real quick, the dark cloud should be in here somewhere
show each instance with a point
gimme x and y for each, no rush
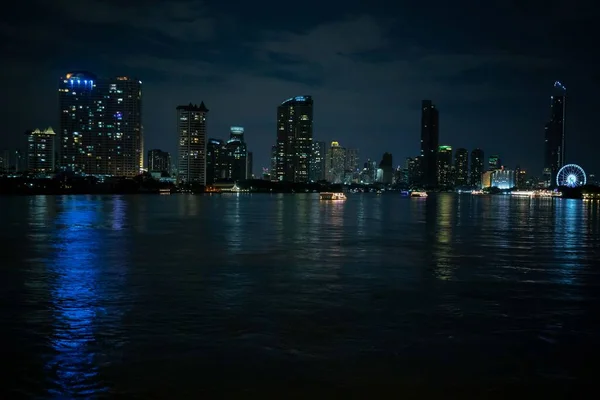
(488, 66)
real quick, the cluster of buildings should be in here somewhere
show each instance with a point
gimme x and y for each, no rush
(101, 133)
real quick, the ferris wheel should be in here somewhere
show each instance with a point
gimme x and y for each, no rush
(571, 175)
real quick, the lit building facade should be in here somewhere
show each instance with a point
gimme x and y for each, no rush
(351, 172)
(554, 144)
(159, 161)
(494, 162)
(461, 167)
(318, 163)
(215, 160)
(236, 153)
(294, 139)
(41, 151)
(413, 165)
(503, 179)
(191, 130)
(336, 163)
(444, 166)
(429, 143)
(100, 124)
(273, 171)
(477, 169)
(486, 179)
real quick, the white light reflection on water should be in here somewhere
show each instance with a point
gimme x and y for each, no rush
(445, 265)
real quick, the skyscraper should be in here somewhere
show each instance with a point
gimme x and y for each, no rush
(318, 164)
(387, 169)
(294, 139)
(429, 142)
(554, 151)
(215, 160)
(336, 163)
(351, 166)
(273, 172)
(477, 158)
(191, 129)
(159, 161)
(249, 165)
(461, 167)
(444, 166)
(100, 124)
(236, 154)
(40, 151)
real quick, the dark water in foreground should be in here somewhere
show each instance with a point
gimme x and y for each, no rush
(175, 296)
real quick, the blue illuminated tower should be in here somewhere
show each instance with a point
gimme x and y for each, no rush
(100, 124)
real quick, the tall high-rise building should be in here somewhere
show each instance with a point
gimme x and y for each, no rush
(336, 163)
(477, 169)
(100, 124)
(215, 160)
(41, 151)
(414, 170)
(191, 130)
(351, 166)
(494, 162)
(294, 139)
(444, 166)
(236, 154)
(520, 178)
(249, 165)
(461, 167)
(554, 151)
(429, 142)
(385, 173)
(318, 165)
(159, 161)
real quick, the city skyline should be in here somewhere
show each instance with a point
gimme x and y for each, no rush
(367, 88)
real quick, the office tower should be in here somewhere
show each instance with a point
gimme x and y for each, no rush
(429, 142)
(41, 151)
(477, 158)
(385, 173)
(413, 165)
(273, 171)
(216, 164)
(159, 161)
(100, 124)
(494, 163)
(554, 151)
(191, 130)
(249, 165)
(294, 139)
(236, 153)
(336, 162)
(318, 163)
(350, 166)
(461, 167)
(444, 165)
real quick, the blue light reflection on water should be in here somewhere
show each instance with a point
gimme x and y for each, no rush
(82, 230)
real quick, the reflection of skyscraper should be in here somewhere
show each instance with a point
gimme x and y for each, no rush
(429, 142)
(461, 167)
(100, 124)
(477, 158)
(191, 129)
(318, 163)
(444, 166)
(294, 139)
(554, 151)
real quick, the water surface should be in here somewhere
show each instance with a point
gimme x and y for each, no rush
(176, 296)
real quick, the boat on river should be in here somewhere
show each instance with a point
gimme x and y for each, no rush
(332, 196)
(417, 193)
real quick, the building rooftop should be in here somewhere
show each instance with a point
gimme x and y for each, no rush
(194, 107)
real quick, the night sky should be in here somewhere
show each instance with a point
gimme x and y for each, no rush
(489, 66)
